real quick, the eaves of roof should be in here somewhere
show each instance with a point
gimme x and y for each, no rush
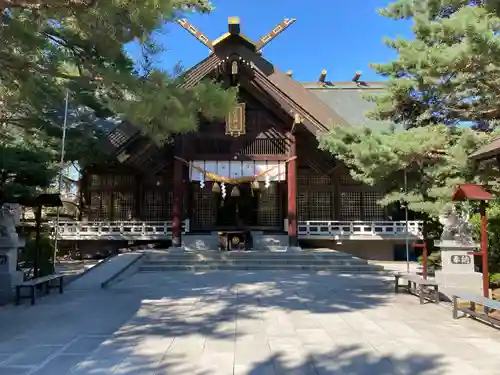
(488, 151)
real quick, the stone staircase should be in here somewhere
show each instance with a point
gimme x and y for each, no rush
(304, 260)
(210, 241)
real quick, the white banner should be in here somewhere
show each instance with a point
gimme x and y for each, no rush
(275, 170)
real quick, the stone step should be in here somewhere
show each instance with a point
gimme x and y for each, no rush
(260, 260)
(257, 261)
(175, 260)
(246, 255)
(190, 267)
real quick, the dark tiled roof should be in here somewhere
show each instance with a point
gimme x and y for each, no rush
(488, 151)
(346, 99)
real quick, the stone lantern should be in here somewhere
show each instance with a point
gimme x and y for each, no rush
(458, 248)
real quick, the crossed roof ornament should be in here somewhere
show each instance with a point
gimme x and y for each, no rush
(234, 29)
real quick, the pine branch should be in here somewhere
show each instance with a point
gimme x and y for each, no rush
(45, 4)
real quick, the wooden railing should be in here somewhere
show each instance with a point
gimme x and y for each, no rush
(117, 230)
(359, 229)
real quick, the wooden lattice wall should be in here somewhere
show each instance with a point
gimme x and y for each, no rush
(204, 210)
(157, 197)
(128, 196)
(357, 201)
(270, 207)
(315, 195)
(111, 197)
(203, 206)
(317, 198)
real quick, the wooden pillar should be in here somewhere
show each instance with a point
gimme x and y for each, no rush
(177, 204)
(291, 180)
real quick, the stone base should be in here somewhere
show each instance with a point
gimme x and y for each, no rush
(7, 283)
(177, 249)
(472, 281)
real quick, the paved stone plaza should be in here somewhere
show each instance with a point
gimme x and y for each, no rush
(242, 323)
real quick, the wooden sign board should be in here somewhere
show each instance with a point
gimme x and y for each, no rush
(235, 121)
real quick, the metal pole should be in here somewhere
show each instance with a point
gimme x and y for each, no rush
(36, 260)
(407, 242)
(404, 127)
(63, 147)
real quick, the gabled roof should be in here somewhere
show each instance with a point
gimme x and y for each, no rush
(284, 89)
(318, 108)
(471, 192)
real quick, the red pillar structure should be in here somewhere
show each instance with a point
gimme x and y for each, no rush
(177, 204)
(291, 180)
(473, 192)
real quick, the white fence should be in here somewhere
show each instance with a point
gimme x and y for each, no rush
(117, 230)
(159, 230)
(359, 229)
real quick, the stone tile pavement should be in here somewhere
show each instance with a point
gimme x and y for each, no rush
(242, 323)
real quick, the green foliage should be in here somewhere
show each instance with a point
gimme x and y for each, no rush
(51, 47)
(450, 71)
(48, 49)
(493, 216)
(447, 74)
(46, 253)
(433, 260)
(25, 167)
(434, 158)
(495, 279)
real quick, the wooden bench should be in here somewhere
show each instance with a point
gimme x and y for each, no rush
(416, 285)
(44, 281)
(474, 299)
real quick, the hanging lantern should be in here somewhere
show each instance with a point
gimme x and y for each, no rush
(235, 192)
(255, 185)
(216, 188)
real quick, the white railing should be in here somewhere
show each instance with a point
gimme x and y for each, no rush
(158, 230)
(117, 230)
(359, 229)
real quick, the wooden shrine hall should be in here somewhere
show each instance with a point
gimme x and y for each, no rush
(259, 168)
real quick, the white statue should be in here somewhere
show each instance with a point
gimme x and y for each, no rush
(456, 227)
(7, 221)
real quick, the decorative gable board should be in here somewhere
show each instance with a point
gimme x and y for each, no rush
(235, 121)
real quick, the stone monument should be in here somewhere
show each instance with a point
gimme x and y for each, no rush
(9, 245)
(457, 265)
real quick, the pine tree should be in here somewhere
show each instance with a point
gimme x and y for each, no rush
(450, 72)
(49, 47)
(434, 159)
(447, 75)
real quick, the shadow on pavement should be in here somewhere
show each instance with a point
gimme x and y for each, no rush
(185, 323)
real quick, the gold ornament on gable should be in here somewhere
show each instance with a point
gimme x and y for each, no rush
(235, 121)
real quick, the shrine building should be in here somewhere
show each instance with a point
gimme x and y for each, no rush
(259, 169)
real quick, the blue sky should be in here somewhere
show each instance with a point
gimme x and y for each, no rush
(339, 36)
